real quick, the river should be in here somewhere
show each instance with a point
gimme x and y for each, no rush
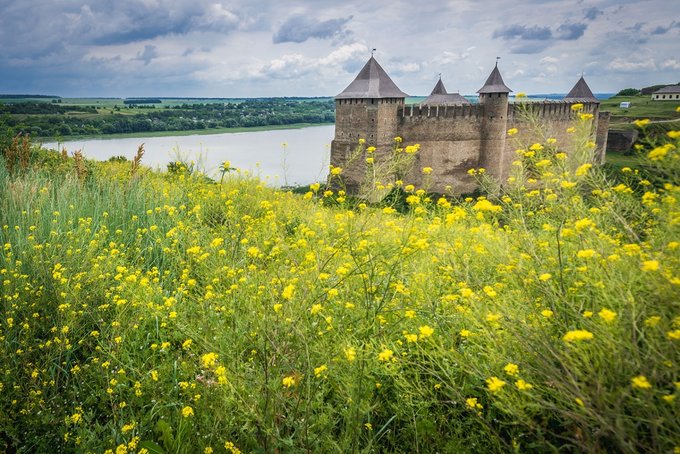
(281, 157)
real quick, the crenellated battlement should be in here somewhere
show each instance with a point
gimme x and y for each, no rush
(427, 111)
(550, 109)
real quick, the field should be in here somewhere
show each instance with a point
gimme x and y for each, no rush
(641, 107)
(166, 312)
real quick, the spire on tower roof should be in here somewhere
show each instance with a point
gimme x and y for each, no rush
(372, 82)
(494, 84)
(580, 92)
(440, 96)
(439, 89)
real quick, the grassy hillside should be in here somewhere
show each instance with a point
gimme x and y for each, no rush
(173, 313)
(641, 107)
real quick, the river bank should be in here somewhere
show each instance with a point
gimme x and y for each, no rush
(190, 132)
(281, 157)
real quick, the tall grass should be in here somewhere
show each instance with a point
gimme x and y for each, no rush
(170, 313)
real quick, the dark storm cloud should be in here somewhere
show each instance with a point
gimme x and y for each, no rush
(300, 28)
(41, 29)
(592, 13)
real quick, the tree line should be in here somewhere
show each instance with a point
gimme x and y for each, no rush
(48, 120)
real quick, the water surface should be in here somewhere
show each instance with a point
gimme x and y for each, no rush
(283, 157)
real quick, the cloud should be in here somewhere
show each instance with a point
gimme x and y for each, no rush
(592, 13)
(523, 32)
(570, 32)
(355, 52)
(624, 65)
(447, 57)
(534, 39)
(661, 30)
(300, 28)
(671, 63)
(150, 52)
(529, 47)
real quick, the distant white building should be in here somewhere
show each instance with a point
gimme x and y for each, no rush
(669, 93)
(624, 105)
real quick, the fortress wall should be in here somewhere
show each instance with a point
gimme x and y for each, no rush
(450, 140)
(420, 124)
(450, 162)
(552, 119)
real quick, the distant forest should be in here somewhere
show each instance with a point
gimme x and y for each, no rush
(54, 119)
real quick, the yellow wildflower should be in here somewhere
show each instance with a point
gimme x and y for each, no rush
(577, 335)
(586, 253)
(472, 404)
(607, 315)
(511, 369)
(385, 355)
(320, 370)
(209, 359)
(650, 265)
(187, 412)
(494, 384)
(350, 354)
(576, 107)
(641, 123)
(288, 381)
(522, 385)
(512, 131)
(288, 292)
(425, 331)
(640, 382)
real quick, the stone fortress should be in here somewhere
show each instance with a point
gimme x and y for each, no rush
(454, 134)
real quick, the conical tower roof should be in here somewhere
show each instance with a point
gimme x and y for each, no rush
(494, 84)
(439, 96)
(580, 92)
(439, 89)
(372, 82)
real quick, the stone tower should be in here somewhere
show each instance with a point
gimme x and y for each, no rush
(493, 98)
(366, 109)
(581, 93)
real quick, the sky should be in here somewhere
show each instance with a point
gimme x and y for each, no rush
(257, 48)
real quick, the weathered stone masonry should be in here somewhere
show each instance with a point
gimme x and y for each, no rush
(454, 135)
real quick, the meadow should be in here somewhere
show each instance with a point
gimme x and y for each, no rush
(157, 312)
